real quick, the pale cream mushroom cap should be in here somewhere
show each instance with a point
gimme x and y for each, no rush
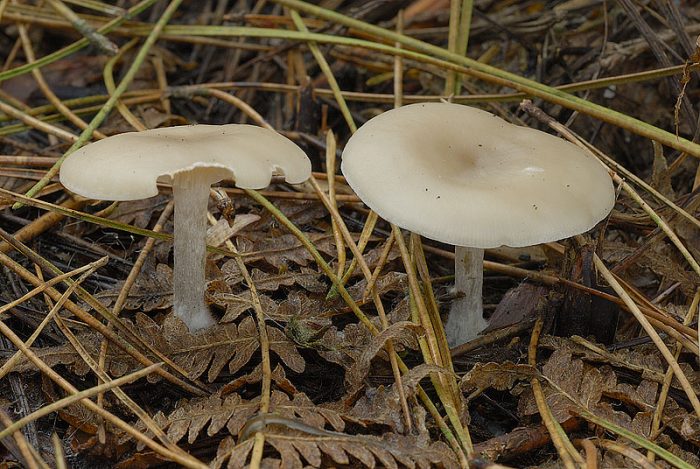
(127, 166)
(463, 176)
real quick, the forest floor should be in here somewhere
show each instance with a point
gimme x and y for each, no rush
(321, 358)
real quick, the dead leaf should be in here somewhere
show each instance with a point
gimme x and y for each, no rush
(643, 359)
(228, 346)
(661, 259)
(387, 283)
(390, 451)
(153, 289)
(518, 304)
(361, 368)
(221, 232)
(499, 376)
(279, 251)
(285, 350)
(236, 304)
(279, 377)
(138, 212)
(306, 278)
(661, 176)
(214, 413)
(571, 384)
(212, 349)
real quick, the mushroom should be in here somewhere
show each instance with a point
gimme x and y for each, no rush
(127, 167)
(463, 176)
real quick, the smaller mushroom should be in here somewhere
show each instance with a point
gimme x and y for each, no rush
(128, 166)
(463, 176)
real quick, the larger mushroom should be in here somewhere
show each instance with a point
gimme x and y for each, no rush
(463, 176)
(127, 167)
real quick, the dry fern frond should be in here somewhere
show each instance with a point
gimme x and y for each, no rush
(212, 350)
(284, 249)
(217, 347)
(213, 412)
(645, 360)
(152, 290)
(232, 412)
(500, 376)
(382, 406)
(279, 377)
(572, 384)
(396, 282)
(390, 451)
(395, 332)
(277, 251)
(306, 278)
(299, 212)
(228, 345)
(65, 355)
(237, 304)
(84, 425)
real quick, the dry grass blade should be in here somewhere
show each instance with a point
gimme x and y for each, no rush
(330, 177)
(503, 78)
(265, 392)
(454, 443)
(47, 284)
(38, 124)
(418, 255)
(644, 322)
(59, 454)
(568, 454)
(3, 6)
(97, 39)
(42, 223)
(111, 86)
(41, 81)
(23, 450)
(121, 395)
(660, 222)
(643, 442)
(76, 46)
(128, 283)
(88, 270)
(73, 398)
(326, 69)
(430, 347)
(367, 228)
(329, 347)
(194, 90)
(168, 454)
(381, 263)
(18, 198)
(630, 453)
(107, 107)
(333, 210)
(89, 319)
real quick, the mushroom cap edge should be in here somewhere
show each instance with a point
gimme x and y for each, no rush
(423, 168)
(127, 166)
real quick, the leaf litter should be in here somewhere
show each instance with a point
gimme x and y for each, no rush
(329, 394)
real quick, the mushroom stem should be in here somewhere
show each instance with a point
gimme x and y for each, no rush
(466, 319)
(191, 194)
